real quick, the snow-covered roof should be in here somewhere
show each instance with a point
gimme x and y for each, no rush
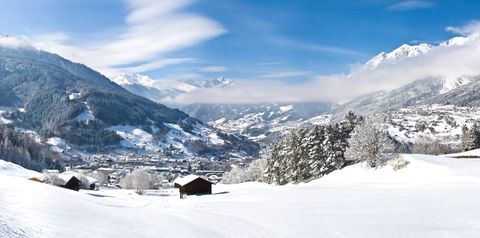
(187, 179)
(66, 176)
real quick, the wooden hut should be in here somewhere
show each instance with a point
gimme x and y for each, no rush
(192, 184)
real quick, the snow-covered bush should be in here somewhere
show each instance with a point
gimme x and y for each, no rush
(253, 172)
(53, 179)
(398, 163)
(370, 142)
(140, 180)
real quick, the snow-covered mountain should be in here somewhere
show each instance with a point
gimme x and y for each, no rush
(256, 122)
(160, 90)
(397, 55)
(69, 105)
(422, 91)
(262, 122)
(425, 91)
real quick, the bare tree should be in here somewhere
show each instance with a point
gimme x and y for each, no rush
(370, 142)
(236, 175)
(140, 180)
(254, 172)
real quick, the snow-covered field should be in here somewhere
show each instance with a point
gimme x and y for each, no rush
(431, 197)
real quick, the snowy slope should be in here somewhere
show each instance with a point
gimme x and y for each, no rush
(431, 197)
(13, 170)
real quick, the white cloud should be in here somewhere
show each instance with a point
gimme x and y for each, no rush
(410, 5)
(470, 29)
(213, 69)
(152, 30)
(448, 61)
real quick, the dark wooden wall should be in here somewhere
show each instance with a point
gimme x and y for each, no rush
(73, 184)
(197, 186)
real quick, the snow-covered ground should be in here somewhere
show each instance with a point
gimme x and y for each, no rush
(431, 197)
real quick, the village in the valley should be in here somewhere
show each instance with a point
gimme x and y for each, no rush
(107, 171)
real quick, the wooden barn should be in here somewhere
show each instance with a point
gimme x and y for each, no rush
(193, 184)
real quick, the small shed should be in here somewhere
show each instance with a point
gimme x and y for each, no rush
(193, 184)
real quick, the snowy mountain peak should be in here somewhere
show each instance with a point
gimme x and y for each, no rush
(218, 82)
(401, 53)
(130, 79)
(14, 42)
(159, 90)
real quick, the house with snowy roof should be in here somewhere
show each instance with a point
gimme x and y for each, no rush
(75, 181)
(192, 184)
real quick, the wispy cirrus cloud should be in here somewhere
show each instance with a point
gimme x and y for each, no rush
(157, 64)
(269, 63)
(288, 42)
(213, 69)
(410, 5)
(286, 74)
(151, 30)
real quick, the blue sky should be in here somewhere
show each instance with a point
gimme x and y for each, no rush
(260, 38)
(284, 40)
